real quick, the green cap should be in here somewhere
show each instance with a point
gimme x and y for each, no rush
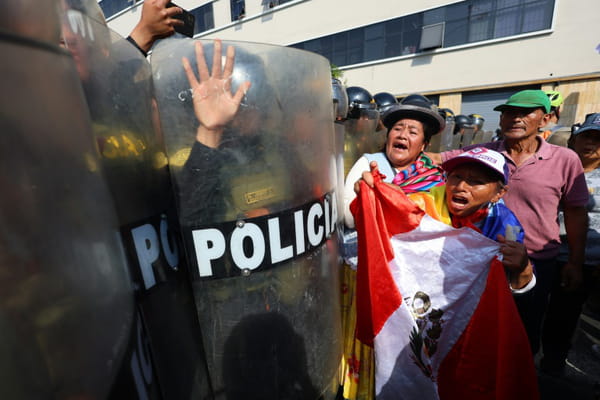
(527, 99)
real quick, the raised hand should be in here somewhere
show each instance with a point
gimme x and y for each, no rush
(214, 104)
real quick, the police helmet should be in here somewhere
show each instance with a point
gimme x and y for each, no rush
(419, 107)
(359, 99)
(384, 101)
(477, 120)
(461, 121)
(446, 113)
(340, 97)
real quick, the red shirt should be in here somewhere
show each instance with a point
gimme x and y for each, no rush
(551, 177)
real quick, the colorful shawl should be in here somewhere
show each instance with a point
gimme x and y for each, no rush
(420, 176)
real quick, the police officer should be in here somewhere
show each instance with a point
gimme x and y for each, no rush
(361, 126)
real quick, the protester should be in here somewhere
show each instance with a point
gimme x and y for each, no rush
(564, 307)
(410, 125)
(434, 301)
(542, 177)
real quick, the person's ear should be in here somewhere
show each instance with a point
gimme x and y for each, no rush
(500, 193)
(545, 119)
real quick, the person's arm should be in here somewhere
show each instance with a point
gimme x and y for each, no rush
(156, 22)
(361, 165)
(576, 224)
(214, 106)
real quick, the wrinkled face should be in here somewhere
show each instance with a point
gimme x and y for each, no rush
(405, 141)
(469, 187)
(520, 123)
(587, 145)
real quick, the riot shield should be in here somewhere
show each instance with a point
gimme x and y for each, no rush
(117, 84)
(66, 303)
(258, 214)
(443, 140)
(361, 137)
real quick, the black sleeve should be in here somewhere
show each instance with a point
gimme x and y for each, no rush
(200, 193)
(130, 40)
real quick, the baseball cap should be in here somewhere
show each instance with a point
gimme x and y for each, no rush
(527, 99)
(489, 158)
(592, 122)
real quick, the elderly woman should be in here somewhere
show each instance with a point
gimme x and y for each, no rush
(410, 124)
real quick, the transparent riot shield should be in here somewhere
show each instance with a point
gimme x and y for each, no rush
(259, 216)
(117, 84)
(66, 303)
(361, 137)
(443, 140)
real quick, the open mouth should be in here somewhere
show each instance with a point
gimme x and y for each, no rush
(400, 146)
(459, 202)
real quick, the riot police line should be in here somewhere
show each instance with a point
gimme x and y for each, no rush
(101, 295)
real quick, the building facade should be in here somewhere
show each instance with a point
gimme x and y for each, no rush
(467, 56)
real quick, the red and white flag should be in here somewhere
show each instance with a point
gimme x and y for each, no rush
(434, 303)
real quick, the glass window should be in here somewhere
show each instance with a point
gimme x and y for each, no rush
(112, 7)
(536, 16)
(356, 44)
(434, 16)
(238, 9)
(410, 41)
(467, 21)
(508, 22)
(393, 38)
(480, 20)
(374, 42)
(204, 18)
(340, 48)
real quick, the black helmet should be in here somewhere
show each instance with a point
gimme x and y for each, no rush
(384, 101)
(477, 120)
(418, 107)
(461, 121)
(340, 97)
(446, 113)
(359, 99)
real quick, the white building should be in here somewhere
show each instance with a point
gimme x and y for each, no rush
(468, 55)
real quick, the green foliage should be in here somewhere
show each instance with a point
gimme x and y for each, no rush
(336, 72)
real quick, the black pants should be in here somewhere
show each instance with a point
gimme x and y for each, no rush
(533, 304)
(562, 316)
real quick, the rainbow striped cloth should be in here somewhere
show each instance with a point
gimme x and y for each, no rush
(420, 176)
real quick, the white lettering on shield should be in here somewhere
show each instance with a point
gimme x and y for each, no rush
(252, 244)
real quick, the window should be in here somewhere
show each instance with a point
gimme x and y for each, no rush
(238, 9)
(479, 20)
(204, 18)
(112, 7)
(464, 22)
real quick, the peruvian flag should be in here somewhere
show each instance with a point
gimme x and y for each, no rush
(435, 304)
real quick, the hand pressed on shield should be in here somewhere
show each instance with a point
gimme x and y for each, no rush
(214, 104)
